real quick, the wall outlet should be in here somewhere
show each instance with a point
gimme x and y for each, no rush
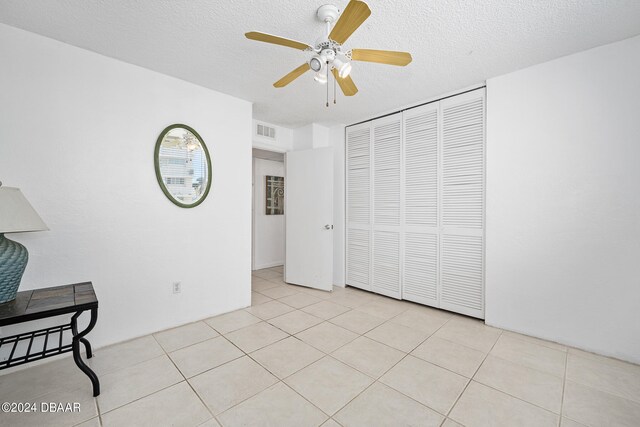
(177, 287)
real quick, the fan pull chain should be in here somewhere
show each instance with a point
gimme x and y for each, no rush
(334, 90)
(327, 83)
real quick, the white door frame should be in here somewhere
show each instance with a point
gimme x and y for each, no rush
(253, 207)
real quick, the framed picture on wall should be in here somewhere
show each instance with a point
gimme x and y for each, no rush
(274, 196)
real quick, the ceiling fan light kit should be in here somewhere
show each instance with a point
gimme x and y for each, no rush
(316, 63)
(321, 77)
(328, 54)
(344, 68)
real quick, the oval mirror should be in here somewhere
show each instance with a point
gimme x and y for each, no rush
(183, 166)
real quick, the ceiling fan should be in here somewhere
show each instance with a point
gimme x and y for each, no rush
(328, 53)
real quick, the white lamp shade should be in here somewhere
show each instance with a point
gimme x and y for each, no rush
(16, 213)
(320, 77)
(344, 68)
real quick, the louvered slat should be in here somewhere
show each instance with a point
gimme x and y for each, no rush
(461, 274)
(463, 164)
(358, 170)
(420, 281)
(421, 167)
(386, 172)
(358, 258)
(386, 263)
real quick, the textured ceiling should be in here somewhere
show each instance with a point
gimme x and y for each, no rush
(455, 44)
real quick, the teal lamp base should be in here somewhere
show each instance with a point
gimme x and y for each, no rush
(13, 261)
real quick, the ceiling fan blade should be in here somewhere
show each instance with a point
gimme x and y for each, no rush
(292, 75)
(347, 85)
(270, 38)
(389, 57)
(350, 19)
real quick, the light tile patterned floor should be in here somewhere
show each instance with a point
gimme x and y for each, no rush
(302, 357)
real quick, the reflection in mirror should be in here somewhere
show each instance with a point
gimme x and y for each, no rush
(183, 166)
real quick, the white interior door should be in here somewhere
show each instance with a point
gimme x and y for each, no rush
(387, 204)
(421, 205)
(358, 177)
(462, 200)
(309, 221)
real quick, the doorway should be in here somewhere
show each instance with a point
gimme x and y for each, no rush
(268, 215)
(295, 241)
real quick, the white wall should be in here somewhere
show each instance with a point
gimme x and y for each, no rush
(563, 200)
(268, 234)
(321, 136)
(283, 141)
(311, 136)
(303, 137)
(77, 134)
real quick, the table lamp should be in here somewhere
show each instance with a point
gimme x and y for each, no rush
(16, 216)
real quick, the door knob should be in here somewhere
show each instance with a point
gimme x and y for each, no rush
(328, 227)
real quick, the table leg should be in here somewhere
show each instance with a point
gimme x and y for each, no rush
(75, 345)
(87, 347)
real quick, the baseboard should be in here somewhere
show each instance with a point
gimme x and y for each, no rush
(268, 265)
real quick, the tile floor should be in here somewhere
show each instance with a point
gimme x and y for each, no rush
(301, 357)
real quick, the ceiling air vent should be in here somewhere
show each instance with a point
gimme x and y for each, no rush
(266, 131)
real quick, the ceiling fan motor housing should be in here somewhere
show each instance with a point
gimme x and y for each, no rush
(326, 56)
(328, 53)
(328, 13)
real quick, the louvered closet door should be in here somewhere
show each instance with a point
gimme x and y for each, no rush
(387, 164)
(358, 147)
(420, 278)
(462, 201)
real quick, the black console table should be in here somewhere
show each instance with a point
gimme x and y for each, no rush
(43, 343)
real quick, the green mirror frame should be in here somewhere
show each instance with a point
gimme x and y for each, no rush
(156, 161)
